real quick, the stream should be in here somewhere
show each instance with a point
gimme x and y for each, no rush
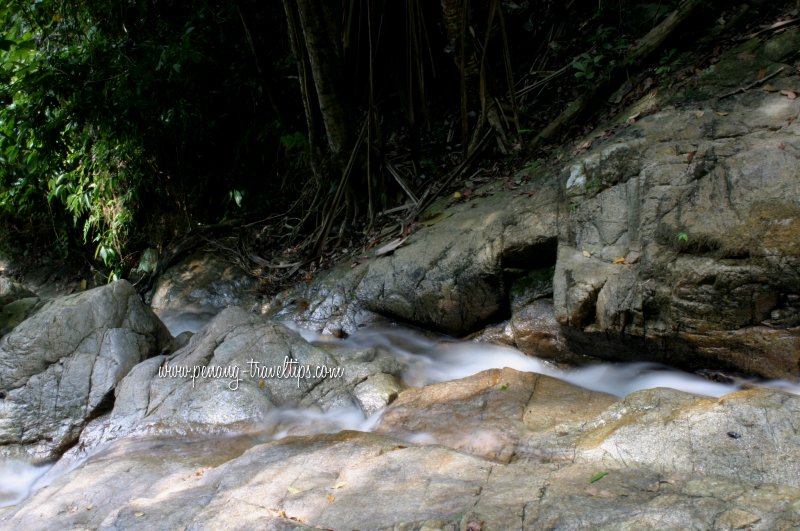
(426, 359)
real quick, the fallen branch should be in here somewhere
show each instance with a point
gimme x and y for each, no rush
(775, 27)
(751, 85)
(638, 54)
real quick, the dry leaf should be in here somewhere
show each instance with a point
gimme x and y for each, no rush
(262, 384)
(632, 118)
(789, 94)
(790, 120)
(138, 515)
(456, 195)
(586, 145)
(690, 156)
(294, 490)
(599, 493)
(339, 485)
(762, 73)
(699, 113)
(619, 260)
(769, 88)
(587, 254)
(722, 113)
(330, 498)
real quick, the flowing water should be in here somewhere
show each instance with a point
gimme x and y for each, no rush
(426, 359)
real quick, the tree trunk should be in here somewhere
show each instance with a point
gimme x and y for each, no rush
(321, 37)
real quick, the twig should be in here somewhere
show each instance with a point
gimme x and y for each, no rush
(751, 85)
(396, 174)
(428, 198)
(775, 27)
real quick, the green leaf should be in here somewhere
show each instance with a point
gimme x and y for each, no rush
(598, 477)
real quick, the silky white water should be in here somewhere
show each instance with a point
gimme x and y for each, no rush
(426, 359)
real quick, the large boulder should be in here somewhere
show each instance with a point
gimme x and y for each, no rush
(189, 293)
(452, 274)
(59, 368)
(675, 237)
(243, 370)
(11, 291)
(552, 456)
(683, 238)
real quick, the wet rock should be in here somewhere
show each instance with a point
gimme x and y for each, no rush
(240, 369)
(685, 433)
(376, 392)
(11, 291)
(354, 480)
(686, 249)
(187, 295)
(327, 304)
(498, 414)
(59, 368)
(452, 274)
(534, 330)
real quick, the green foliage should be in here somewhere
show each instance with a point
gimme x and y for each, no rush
(111, 114)
(665, 62)
(608, 49)
(598, 477)
(683, 237)
(587, 66)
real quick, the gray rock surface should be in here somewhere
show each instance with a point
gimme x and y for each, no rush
(452, 275)
(684, 232)
(642, 463)
(59, 368)
(677, 235)
(240, 370)
(188, 294)
(11, 291)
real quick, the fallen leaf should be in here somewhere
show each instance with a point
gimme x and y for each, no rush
(587, 254)
(456, 195)
(339, 485)
(619, 260)
(474, 526)
(586, 145)
(789, 94)
(699, 113)
(632, 118)
(690, 156)
(262, 384)
(598, 493)
(294, 490)
(762, 73)
(138, 515)
(330, 498)
(790, 120)
(769, 88)
(722, 113)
